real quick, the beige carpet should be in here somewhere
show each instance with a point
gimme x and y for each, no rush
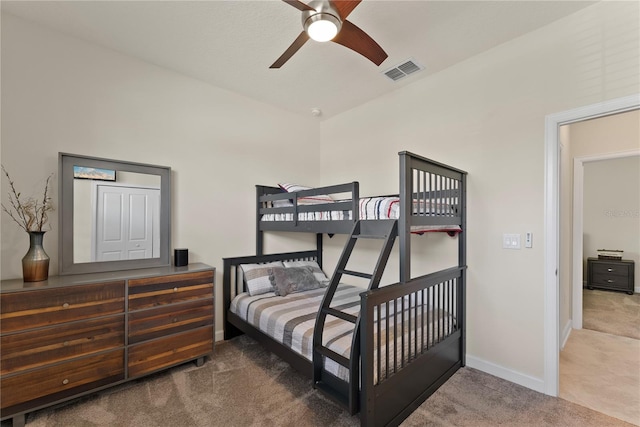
(244, 385)
(614, 313)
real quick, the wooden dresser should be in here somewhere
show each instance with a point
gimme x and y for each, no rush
(610, 274)
(73, 335)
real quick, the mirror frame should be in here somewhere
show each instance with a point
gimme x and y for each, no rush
(66, 264)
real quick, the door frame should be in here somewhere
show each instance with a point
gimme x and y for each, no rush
(552, 227)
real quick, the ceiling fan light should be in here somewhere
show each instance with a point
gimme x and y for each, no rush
(322, 27)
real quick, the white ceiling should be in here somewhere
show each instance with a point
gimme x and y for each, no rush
(231, 43)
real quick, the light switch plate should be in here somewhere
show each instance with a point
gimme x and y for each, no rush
(511, 241)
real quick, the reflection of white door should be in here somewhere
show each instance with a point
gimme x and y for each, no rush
(127, 223)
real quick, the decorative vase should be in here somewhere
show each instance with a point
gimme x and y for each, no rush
(35, 264)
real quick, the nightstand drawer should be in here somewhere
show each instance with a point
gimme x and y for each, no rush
(153, 355)
(62, 379)
(26, 350)
(163, 290)
(163, 321)
(606, 269)
(610, 280)
(32, 309)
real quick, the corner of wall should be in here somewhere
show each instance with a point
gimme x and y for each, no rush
(536, 384)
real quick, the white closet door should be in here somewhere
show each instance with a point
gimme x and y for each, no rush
(126, 222)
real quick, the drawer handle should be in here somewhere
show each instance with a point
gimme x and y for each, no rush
(175, 319)
(610, 281)
(65, 381)
(66, 343)
(610, 270)
(65, 305)
(175, 289)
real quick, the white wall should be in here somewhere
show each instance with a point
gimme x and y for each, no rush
(606, 135)
(612, 207)
(63, 94)
(486, 115)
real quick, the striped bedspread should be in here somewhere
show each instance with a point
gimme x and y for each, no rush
(370, 208)
(290, 320)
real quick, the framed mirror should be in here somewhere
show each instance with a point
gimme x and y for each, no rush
(113, 215)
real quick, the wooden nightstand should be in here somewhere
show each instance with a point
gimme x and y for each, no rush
(610, 274)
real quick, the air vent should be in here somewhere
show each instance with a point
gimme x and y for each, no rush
(403, 69)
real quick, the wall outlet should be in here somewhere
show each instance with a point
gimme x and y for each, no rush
(528, 240)
(511, 241)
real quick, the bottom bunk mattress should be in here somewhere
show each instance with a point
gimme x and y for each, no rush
(290, 320)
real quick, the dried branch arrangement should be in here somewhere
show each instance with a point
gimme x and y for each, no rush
(29, 213)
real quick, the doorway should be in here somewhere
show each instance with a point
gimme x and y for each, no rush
(599, 187)
(577, 263)
(557, 291)
(552, 325)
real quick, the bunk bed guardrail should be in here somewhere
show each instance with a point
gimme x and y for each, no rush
(419, 352)
(442, 188)
(348, 195)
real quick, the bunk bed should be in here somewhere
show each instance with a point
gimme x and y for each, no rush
(379, 351)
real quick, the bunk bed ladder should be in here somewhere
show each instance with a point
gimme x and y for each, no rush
(345, 392)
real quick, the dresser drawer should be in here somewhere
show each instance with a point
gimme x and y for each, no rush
(26, 350)
(162, 321)
(67, 378)
(31, 309)
(163, 290)
(153, 355)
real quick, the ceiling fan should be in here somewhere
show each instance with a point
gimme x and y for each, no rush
(326, 20)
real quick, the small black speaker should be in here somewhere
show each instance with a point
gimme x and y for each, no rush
(180, 257)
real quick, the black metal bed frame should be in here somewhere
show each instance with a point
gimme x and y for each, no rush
(428, 350)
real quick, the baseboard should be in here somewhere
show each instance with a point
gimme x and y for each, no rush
(519, 378)
(565, 333)
(524, 380)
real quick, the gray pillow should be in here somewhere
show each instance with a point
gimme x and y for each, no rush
(317, 271)
(293, 279)
(256, 277)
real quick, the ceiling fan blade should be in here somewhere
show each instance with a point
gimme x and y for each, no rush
(344, 7)
(298, 5)
(297, 44)
(357, 40)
